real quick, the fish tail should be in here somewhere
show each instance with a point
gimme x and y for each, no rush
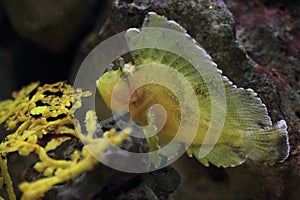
(270, 145)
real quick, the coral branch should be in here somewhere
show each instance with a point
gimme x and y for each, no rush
(6, 179)
(41, 119)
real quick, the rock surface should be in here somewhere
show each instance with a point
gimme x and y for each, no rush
(259, 51)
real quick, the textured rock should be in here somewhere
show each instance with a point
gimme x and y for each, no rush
(112, 184)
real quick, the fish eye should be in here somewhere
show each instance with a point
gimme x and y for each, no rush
(125, 76)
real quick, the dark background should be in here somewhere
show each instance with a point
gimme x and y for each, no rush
(24, 59)
(38, 46)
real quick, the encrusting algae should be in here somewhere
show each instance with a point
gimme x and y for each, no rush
(37, 112)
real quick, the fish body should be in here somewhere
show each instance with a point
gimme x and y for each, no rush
(247, 130)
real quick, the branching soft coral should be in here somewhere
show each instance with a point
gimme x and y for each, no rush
(48, 110)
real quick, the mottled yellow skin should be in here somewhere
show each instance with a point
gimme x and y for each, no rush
(151, 94)
(247, 131)
(141, 99)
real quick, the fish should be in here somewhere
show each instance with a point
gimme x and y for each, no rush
(247, 130)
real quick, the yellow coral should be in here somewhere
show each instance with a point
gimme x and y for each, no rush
(6, 179)
(37, 111)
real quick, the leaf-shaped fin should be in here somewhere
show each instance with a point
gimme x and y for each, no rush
(151, 37)
(154, 20)
(270, 145)
(156, 151)
(221, 155)
(152, 140)
(171, 150)
(245, 111)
